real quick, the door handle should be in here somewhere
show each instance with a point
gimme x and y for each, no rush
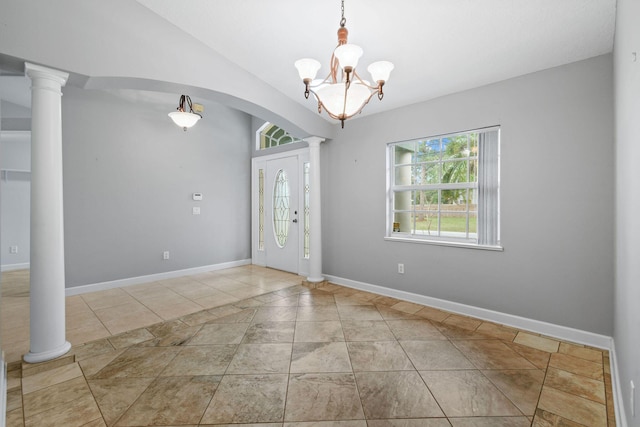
(295, 220)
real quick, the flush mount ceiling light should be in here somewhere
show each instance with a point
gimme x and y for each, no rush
(343, 94)
(185, 119)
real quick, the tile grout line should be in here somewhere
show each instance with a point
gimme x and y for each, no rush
(293, 340)
(92, 394)
(355, 378)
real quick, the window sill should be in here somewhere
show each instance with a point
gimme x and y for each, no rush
(445, 243)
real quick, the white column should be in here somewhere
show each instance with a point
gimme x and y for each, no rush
(315, 217)
(47, 340)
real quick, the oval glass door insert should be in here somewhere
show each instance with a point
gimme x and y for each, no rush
(281, 208)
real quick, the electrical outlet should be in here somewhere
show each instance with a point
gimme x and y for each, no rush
(13, 249)
(196, 210)
(400, 268)
(632, 398)
(165, 255)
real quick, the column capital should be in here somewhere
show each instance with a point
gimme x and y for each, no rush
(314, 140)
(38, 71)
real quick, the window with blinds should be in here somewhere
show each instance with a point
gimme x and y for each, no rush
(446, 189)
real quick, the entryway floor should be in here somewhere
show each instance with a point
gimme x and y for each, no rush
(251, 346)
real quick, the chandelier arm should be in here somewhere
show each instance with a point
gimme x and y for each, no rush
(343, 116)
(181, 103)
(334, 68)
(329, 113)
(326, 80)
(320, 104)
(321, 107)
(186, 99)
(359, 110)
(363, 82)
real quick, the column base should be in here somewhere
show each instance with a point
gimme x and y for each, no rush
(313, 284)
(43, 356)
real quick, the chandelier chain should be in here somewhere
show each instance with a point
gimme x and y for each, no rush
(343, 21)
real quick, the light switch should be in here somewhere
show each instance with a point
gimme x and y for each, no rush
(197, 196)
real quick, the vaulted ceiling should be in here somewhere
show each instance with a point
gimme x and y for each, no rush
(438, 46)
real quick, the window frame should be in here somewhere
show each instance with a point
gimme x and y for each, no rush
(265, 134)
(493, 173)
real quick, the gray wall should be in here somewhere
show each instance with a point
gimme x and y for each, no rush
(627, 301)
(129, 174)
(15, 153)
(557, 199)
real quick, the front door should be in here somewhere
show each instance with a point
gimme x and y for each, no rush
(281, 225)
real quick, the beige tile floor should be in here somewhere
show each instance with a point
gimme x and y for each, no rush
(250, 346)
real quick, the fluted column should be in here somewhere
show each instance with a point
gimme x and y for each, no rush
(315, 209)
(47, 293)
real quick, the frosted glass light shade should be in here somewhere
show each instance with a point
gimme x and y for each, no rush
(307, 68)
(348, 55)
(183, 119)
(332, 97)
(380, 71)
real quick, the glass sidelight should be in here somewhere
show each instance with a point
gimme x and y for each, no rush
(281, 211)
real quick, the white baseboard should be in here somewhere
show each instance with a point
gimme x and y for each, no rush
(536, 326)
(11, 267)
(103, 286)
(618, 397)
(3, 390)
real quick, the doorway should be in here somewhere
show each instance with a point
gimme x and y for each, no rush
(280, 224)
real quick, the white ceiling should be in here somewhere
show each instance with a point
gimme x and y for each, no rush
(438, 46)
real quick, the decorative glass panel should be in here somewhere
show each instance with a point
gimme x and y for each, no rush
(273, 136)
(307, 224)
(261, 209)
(281, 208)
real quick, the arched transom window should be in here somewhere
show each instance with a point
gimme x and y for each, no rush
(274, 136)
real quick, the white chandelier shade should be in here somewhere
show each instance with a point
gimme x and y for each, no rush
(380, 71)
(333, 98)
(183, 119)
(307, 68)
(348, 55)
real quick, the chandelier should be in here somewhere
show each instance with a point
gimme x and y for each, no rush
(343, 94)
(182, 118)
